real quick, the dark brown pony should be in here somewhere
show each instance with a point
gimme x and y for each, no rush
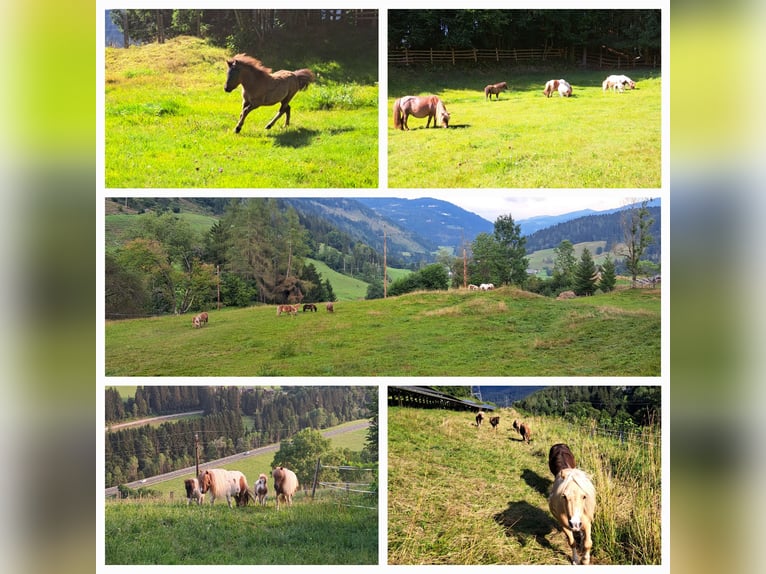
(479, 418)
(494, 89)
(261, 87)
(420, 107)
(559, 458)
(494, 421)
(309, 307)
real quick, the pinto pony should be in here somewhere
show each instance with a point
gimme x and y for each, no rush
(285, 485)
(420, 107)
(494, 89)
(261, 489)
(261, 87)
(193, 491)
(199, 319)
(560, 86)
(617, 83)
(572, 502)
(559, 458)
(222, 483)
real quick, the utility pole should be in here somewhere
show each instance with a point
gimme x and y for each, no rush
(385, 266)
(218, 274)
(196, 452)
(465, 263)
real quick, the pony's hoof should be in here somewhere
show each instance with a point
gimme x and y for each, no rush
(236, 130)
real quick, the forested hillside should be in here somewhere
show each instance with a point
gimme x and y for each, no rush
(235, 419)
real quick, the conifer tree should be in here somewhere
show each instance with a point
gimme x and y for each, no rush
(608, 275)
(585, 275)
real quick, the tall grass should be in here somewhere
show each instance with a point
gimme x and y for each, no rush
(462, 495)
(448, 333)
(525, 140)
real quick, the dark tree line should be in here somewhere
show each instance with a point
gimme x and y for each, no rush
(276, 414)
(634, 33)
(616, 407)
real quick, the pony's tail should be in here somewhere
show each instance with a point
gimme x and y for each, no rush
(398, 122)
(305, 77)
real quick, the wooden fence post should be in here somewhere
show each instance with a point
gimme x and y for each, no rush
(316, 476)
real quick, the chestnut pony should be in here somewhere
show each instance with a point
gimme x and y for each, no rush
(420, 107)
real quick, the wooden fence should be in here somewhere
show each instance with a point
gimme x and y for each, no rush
(602, 58)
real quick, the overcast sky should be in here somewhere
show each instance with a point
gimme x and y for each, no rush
(524, 204)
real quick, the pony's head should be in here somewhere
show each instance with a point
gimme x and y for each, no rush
(205, 481)
(574, 497)
(442, 114)
(233, 75)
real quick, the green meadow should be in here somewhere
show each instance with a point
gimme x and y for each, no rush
(592, 139)
(450, 333)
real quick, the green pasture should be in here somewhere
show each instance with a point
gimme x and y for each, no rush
(525, 140)
(451, 333)
(463, 495)
(169, 124)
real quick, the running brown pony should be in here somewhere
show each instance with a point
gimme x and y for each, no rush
(559, 458)
(420, 107)
(261, 87)
(494, 89)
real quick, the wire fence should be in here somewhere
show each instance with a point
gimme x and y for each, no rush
(350, 494)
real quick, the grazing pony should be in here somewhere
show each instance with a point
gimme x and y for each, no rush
(560, 86)
(573, 503)
(617, 83)
(199, 319)
(285, 485)
(473, 287)
(486, 287)
(222, 483)
(193, 491)
(516, 425)
(330, 308)
(292, 309)
(479, 418)
(494, 89)
(550, 87)
(261, 87)
(309, 307)
(261, 489)
(525, 431)
(565, 89)
(420, 107)
(559, 458)
(494, 421)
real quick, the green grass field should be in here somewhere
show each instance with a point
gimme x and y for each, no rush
(525, 140)
(169, 124)
(455, 333)
(462, 495)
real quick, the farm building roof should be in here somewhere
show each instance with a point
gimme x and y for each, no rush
(426, 397)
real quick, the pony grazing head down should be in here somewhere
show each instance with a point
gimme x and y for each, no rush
(285, 485)
(222, 483)
(573, 503)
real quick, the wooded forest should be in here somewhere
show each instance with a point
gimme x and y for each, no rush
(635, 34)
(270, 415)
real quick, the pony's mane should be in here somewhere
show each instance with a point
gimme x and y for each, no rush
(581, 479)
(252, 62)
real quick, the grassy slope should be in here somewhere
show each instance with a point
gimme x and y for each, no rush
(455, 333)
(593, 139)
(462, 495)
(169, 124)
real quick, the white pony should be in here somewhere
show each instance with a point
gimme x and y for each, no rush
(617, 82)
(486, 287)
(565, 89)
(573, 503)
(285, 485)
(222, 483)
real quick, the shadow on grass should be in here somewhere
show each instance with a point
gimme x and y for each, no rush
(539, 483)
(300, 137)
(525, 522)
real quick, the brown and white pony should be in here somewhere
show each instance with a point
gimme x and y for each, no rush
(494, 421)
(560, 86)
(291, 309)
(420, 107)
(199, 319)
(193, 491)
(494, 89)
(617, 83)
(261, 489)
(573, 503)
(473, 287)
(330, 308)
(222, 483)
(559, 458)
(285, 485)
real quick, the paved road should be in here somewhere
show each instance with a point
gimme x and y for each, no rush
(151, 420)
(112, 491)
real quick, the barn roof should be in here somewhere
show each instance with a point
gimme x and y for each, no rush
(427, 397)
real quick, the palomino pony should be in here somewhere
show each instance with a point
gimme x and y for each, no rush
(261, 87)
(494, 89)
(420, 107)
(559, 458)
(222, 483)
(285, 485)
(573, 503)
(261, 489)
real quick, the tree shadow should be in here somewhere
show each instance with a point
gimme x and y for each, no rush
(525, 522)
(539, 483)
